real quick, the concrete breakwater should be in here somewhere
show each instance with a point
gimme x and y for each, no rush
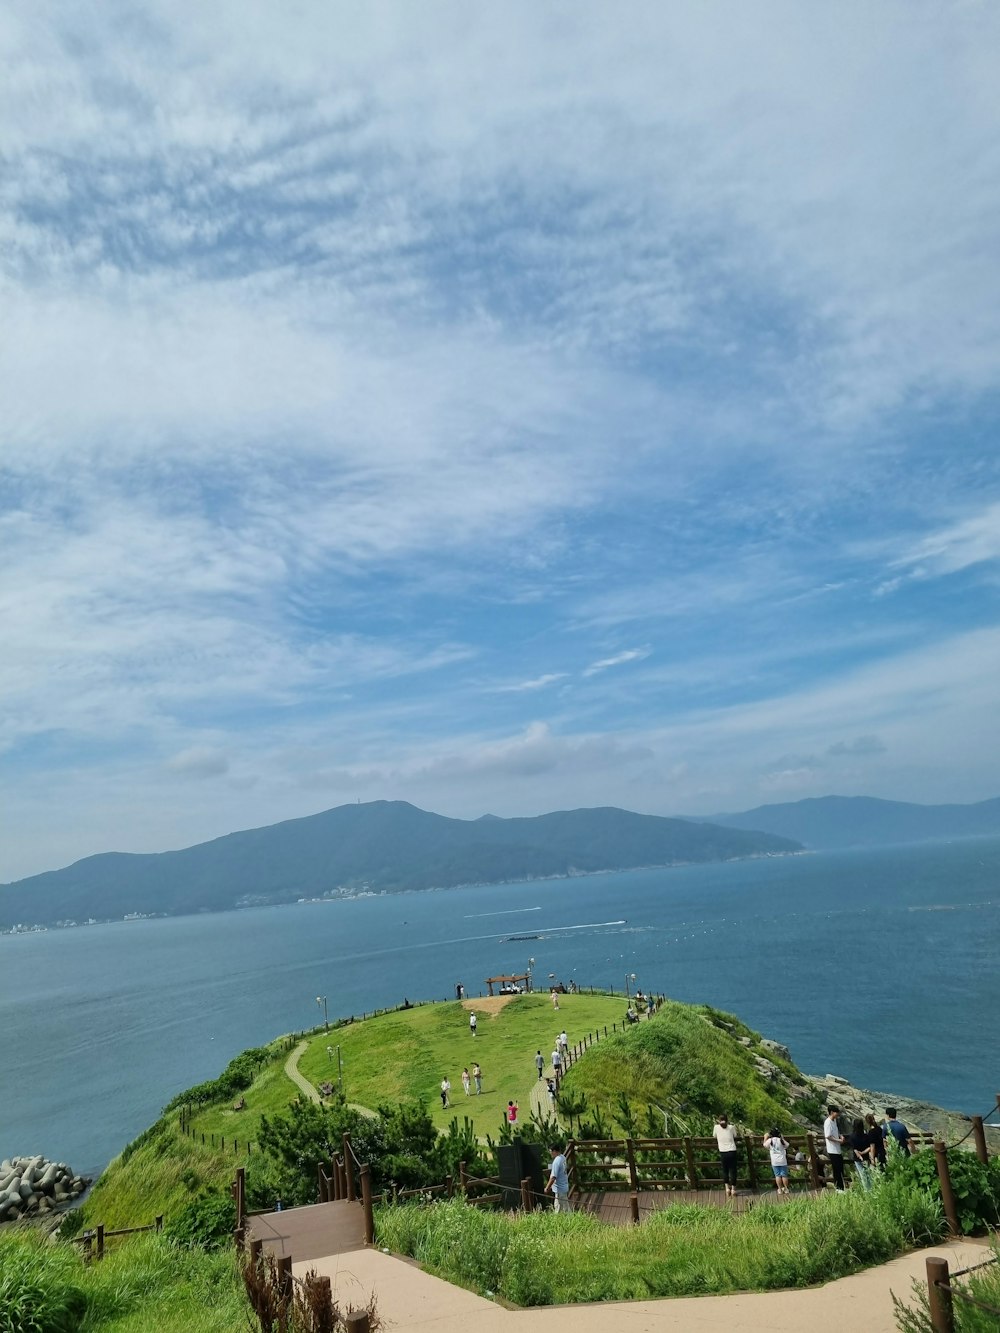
(33, 1185)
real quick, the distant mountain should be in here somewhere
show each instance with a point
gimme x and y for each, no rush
(387, 845)
(864, 821)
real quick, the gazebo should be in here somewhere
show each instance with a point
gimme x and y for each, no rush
(522, 978)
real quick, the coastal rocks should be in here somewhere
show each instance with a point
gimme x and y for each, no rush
(32, 1185)
(776, 1048)
(854, 1102)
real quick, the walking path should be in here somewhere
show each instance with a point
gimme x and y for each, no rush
(409, 1298)
(300, 1081)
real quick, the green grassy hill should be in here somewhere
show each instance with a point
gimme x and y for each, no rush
(688, 1062)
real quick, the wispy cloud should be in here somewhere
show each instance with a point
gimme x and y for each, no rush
(619, 659)
(538, 683)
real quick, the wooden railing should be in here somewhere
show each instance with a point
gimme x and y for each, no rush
(93, 1241)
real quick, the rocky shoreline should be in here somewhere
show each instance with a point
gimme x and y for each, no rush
(854, 1102)
(30, 1186)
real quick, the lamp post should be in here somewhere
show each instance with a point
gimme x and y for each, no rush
(340, 1068)
(321, 1001)
(531, 964)
(629, 976)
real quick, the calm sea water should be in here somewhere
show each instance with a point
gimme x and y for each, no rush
(877, 965)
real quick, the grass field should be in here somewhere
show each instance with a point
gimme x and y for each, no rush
(403, 1056)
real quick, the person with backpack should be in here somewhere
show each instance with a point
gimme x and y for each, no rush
(777, 1146)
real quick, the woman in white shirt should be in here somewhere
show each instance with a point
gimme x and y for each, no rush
(778, 1148)
(725, 1137)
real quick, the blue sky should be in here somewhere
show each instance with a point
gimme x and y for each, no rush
(500, 410)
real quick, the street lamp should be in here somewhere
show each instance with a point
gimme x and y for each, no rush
(340, 1068)
(629, 976)
(531, 964)
(321, 1001)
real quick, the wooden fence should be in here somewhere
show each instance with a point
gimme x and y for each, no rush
(93, 1241)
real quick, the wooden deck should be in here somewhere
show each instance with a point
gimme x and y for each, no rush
(614, 1206)
(311, 1232)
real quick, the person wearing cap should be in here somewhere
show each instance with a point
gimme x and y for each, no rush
(834, 1145)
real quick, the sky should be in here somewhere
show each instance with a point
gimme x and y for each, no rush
(503, 409)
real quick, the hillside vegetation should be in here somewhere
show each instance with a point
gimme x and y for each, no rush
(388, 845)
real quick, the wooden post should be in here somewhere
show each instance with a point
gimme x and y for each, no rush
(322, 1304)
(692, 1173)
(751, 1164)
(633, 1175)
(633, 1203)
(526, 1194)
(348, 1169)
(366, 1199)
(240, 1196)
(283, 1272)
(947, 1193)
(100, 1241)
(979, 1134)
(939, 1298)
(571, 1171)
(88, 1246)
(813, 1161)
(356, 1321)
(159, 1222)
(256, 1250)
(462, 1177)
(321, 1182)
(450, 1182)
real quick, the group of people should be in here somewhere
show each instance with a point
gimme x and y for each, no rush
(864, 1145)
(467, 1081)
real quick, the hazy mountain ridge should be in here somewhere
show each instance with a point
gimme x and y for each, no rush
(388, 845)
(830, 822)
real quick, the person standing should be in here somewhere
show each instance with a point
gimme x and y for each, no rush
(445, 1089)
(466, 1081)
(563, 1042)
(472, 1024)
(898, 1131)
(556, 1063)
(877, 1141)
(860, 1142)
(539, 1062)
(555, 999)
(512, 1114)
(558, 1181)
(777, 1146)
(477, 1075)
(550, 1088)
(834, 1145)
(725, 1137)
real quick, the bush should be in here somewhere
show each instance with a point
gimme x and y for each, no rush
(236, 1077)
(207, 1222)
(976, 1185)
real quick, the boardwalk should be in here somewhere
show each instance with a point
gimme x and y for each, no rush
(311, 1232)
(614, 1206)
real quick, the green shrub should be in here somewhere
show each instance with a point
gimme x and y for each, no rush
(976, 1185)
(208, 1221)
(236, 1077)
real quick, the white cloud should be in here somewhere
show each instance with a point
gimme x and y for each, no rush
(538, 683)
(619, 659)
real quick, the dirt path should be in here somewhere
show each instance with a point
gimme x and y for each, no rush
(300, 1081)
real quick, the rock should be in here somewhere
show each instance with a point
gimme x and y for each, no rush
(776, 1048)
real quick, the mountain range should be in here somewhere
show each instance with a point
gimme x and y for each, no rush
(382, 845)
(829, 822)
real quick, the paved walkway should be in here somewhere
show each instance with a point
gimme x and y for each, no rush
(311, 1232)
(409, 1298)
(300, 1081)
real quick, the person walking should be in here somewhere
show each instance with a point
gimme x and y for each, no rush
(777, 1146)
(477, 1075)
(563, 1042)
(834, 1145)
(555, 999)
(539, 1062)
(725, 1137)
(472, 1024)
(466, 1081)
(445, 1090)
(556, 1063)
(512, 1114)
(558, 1181)
(550, 1088)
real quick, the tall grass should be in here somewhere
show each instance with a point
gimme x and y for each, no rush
(544, 1259)
(983, 1286)
(143, 1284)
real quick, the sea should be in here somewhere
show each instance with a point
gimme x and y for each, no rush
(880, 965)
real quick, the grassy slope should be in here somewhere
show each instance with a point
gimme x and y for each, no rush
(403, 1056)
(683, 1058)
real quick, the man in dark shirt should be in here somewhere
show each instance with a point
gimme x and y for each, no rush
(897, 1129)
